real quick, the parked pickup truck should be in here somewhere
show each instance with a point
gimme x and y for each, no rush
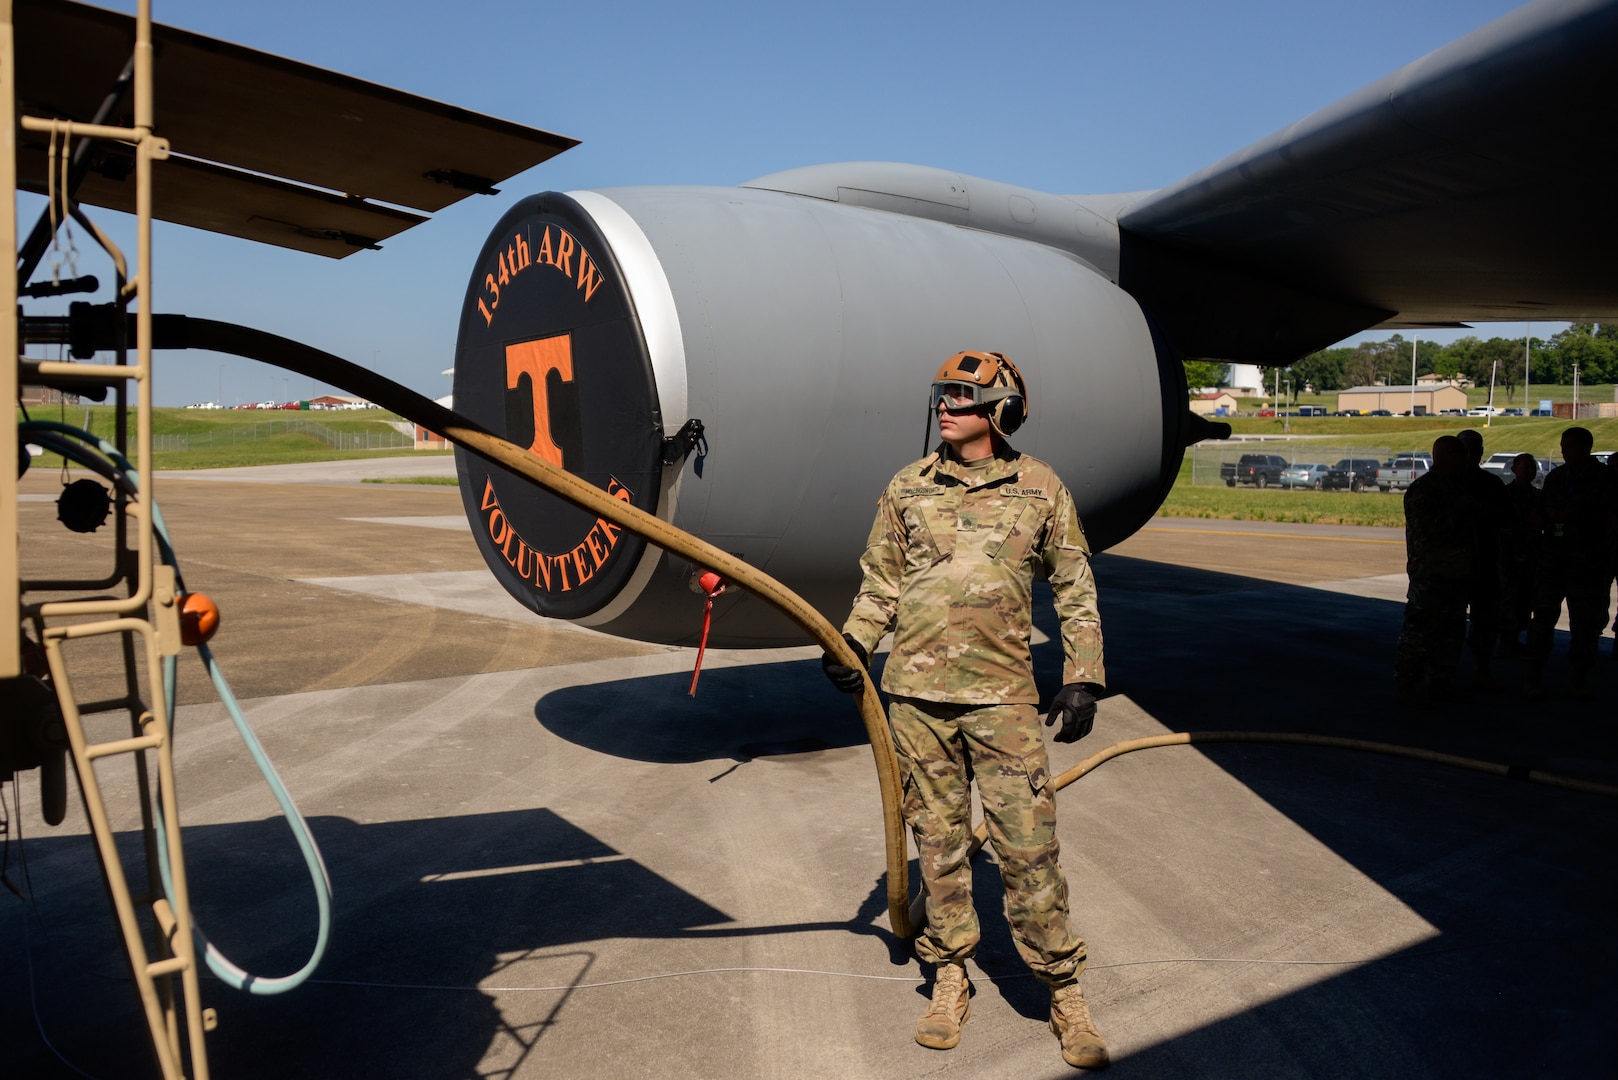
(1401, 472)
(1259, 469)
(1355, 474)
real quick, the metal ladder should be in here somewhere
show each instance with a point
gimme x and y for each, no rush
(146, 620)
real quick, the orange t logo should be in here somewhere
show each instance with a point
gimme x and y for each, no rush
(537, 359)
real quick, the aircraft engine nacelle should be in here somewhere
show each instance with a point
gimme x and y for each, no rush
(803, 334)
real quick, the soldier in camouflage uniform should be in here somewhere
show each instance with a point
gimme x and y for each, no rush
(1519, 551)
(959, 539)
(1581, 519)
(1483, 592)
(1440, 526)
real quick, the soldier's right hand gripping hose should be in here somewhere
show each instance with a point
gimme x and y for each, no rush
(1076, 705)
(848, 680)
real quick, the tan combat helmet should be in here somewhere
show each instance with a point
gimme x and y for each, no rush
(989, 378)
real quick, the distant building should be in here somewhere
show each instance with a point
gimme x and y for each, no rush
(1434, 379)
(431, 440)
(1211, 402)
(41, 395)
(1247, 379)
(1429, 399)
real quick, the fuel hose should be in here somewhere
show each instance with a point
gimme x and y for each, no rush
(182, 332)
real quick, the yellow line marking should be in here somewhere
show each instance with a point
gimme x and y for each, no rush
(1277, 536)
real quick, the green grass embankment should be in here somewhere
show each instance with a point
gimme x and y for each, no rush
(1276, 504)
(1476, 397)
(1281, 505)
(227, 438)
(1539, 436)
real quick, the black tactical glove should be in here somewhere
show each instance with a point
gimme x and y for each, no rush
(848, 680)
(1076, 706)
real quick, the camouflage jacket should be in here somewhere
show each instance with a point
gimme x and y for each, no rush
(1441, 525)
(1581, 512)
(950, 568)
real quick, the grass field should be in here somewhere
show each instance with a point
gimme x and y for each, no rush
(1538, 436)
(1476, 397)
(435, 481)
(226, 438)
(1277, 504)
(1535, 435)
(1340, 434)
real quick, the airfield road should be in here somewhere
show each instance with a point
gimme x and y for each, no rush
(549, 860)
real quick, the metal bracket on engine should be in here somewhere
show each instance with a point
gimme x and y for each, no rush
(677, 447)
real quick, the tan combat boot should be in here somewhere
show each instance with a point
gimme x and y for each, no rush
(1082, 1045)
(940, 1026)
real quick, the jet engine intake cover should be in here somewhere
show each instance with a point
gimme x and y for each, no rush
(551, 355)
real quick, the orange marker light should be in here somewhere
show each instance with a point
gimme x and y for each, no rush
(199, 618)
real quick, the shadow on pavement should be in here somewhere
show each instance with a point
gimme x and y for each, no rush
(1518, 881)
(425, 911)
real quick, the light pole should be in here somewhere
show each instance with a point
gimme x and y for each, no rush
(1488, 419)
(221, 398)
(1528, 334)
(1413, 343)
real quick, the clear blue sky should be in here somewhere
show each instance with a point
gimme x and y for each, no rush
(1071, 97)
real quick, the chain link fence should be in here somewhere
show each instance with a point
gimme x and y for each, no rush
(337, 440)
(1206, 458)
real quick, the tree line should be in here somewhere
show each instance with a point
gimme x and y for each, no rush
(1590, 347)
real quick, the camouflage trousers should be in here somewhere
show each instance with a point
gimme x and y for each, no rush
(1585, 586)
(1516, 600)
(1483, 612)
(943, 749)
(1433, 632)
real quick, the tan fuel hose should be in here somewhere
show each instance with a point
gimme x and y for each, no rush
(1185, 738)
(701, 553)
(181, 332)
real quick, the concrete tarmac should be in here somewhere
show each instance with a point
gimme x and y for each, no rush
(550, 861)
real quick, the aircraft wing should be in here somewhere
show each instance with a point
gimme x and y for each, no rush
(1467, 186)
(264, 148)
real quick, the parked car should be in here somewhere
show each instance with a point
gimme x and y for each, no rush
(1512, 412)
(1541, 412)
(1303, 475)
(1401, 472)
(1500, 464)
(1355, 474)
(1380, 412)
(1260, 470)
(1311, 410)
(1483, 410)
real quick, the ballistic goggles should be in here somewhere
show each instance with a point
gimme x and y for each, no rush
(960, 397)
